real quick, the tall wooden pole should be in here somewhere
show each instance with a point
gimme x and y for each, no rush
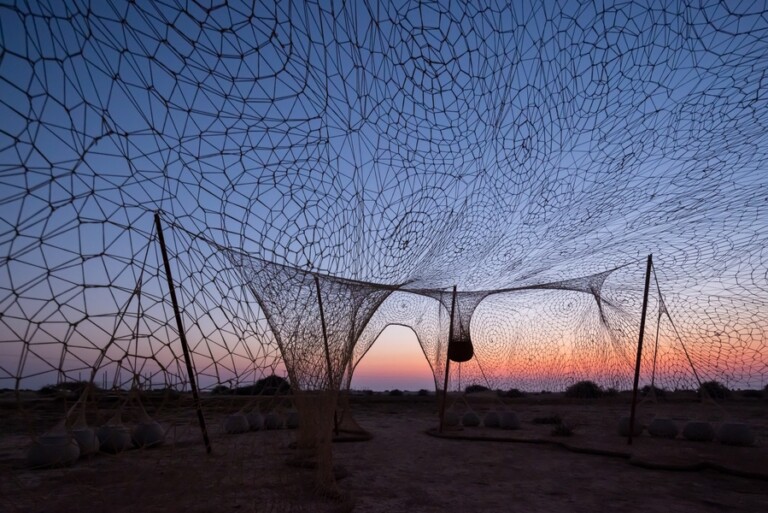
(640, 348)
(655, 355)
(182, 334)
(447, 361)
(325, 332)
(327, 350)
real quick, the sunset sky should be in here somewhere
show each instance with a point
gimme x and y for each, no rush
(481, 145)
(395, 361)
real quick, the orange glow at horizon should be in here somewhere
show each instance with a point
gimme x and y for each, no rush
(395, 360)
(527, 359)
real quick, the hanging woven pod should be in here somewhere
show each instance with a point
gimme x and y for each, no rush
(84, 434)
(623, 427)
(236, 423)
(255, 420)
(460, 346)
(492, 420)
(292, 419)
(509, 420)
(56, 448)
(451, 419)
(698, 431)
(662, 428)
(114, 436)
(736, 433)
(148, 432)
(470, 419)
(273, 420)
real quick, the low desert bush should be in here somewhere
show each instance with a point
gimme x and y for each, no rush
(584, 390)
(221, 390)
(752, 394)
(714, 389)
(473, 389)
(74, 388)
(658, 392)
(270, 385)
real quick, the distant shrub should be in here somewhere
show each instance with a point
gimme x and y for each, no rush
(611, 392)
(68, 387)
(514, 392)
(752, 394)
(584, 390)
(423, 392)
(658, 392)
(367, 391)
(221, 390)
(396, 392)
(271, 385)
(77, 386)
(473, 389)
(47, 390)
(714, 389)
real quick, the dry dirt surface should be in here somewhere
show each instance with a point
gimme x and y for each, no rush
(403, 469)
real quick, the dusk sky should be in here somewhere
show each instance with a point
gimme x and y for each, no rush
(541, 147)
(395, 361)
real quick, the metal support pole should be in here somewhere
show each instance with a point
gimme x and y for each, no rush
(182, 334)
(447, 362)
(640, 348)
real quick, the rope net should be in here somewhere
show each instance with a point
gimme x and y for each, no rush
(376, 155)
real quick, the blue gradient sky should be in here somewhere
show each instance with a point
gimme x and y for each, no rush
(480, 147)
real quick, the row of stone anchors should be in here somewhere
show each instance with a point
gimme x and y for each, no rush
(63, 446)
(729, 433)
(254, 421)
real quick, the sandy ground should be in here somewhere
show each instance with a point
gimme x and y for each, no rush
(403, 469)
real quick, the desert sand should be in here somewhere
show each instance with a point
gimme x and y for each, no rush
(402, 468)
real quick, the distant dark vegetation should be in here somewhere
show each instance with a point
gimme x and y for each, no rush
(74, 388)
(512, 393)
(755, 394)
(714, 389)
(69, 389)
(584, 390)
(277, 385)
(647, 390)
(271, 385)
